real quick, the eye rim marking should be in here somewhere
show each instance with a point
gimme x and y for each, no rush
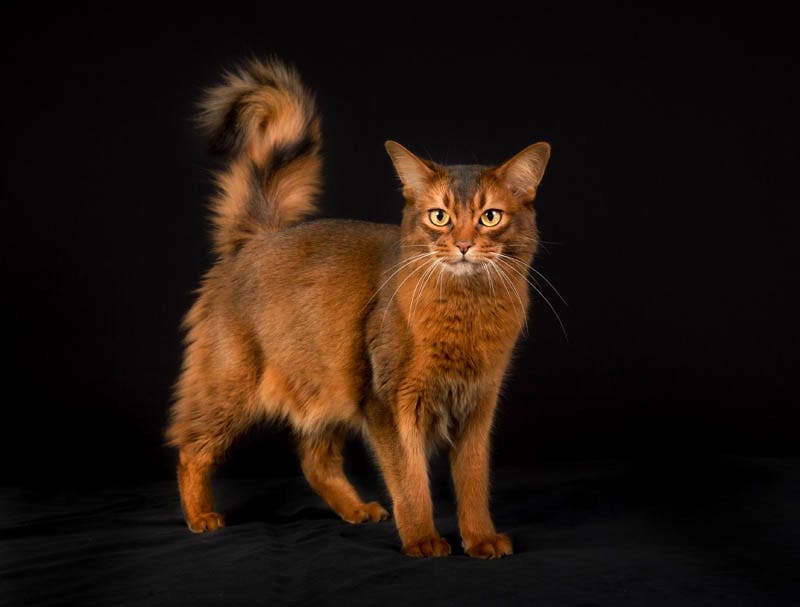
(447, 219)
(483, 221)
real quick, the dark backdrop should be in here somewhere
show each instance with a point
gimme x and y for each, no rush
(669, 210)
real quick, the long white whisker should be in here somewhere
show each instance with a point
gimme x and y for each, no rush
(558, 318)
(424, 283)
(521, 246)
(487, 267)
(403, 264)
(407, 260)
(435, 266)
(543, 277)
(506, 280)
(441, 275)
(550, 284)
(519, 298)
(417, 287)
(414, 271)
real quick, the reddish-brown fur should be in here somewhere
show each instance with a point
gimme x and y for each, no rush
(338, 326)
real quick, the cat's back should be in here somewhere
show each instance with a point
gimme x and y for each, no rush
(325, 237)
(322, 265)
(328, 245)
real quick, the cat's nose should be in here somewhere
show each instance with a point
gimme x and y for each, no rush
(463, 246)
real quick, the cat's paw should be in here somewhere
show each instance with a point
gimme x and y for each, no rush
(432, 545)
(372, 512)
(489, 547)
(208, 521)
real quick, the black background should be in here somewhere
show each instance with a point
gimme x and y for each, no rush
(669, 209)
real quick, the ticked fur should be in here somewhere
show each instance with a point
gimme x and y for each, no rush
(403, 333)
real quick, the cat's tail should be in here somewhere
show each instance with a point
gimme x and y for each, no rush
(264, 122)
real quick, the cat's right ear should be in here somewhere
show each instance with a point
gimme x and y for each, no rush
(413, 172)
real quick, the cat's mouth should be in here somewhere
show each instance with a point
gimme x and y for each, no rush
(462, 265)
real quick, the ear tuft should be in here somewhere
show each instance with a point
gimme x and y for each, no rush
(413, 172)
(523, 173)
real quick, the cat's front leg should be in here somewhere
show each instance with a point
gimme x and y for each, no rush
(399, 443)
(469, 460)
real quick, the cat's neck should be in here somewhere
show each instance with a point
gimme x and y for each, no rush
(490, 302)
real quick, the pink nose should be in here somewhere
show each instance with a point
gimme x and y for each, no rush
(463, 246)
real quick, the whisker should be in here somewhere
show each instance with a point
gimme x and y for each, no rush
(441, 275)
(486, 266)
(506, 280)
(552, 286)
(400, 286)
(543, 277)
(534, 287)
(403, 264)
(523, 309)
(528, 246)
(424, 282)
(519, 246)
(405, 260)
(417, 286)
(408, 261)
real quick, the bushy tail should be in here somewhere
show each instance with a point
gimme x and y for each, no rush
(264, 121)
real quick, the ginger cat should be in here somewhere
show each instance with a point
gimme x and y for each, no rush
(402, 333)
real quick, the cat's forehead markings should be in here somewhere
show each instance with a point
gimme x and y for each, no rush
(464, 182)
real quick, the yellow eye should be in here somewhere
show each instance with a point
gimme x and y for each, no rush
(491, 217)
(439, 217)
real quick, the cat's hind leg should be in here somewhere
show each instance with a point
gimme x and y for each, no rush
(321, 461)
(194, 481)
(203, 430)
(202, 435)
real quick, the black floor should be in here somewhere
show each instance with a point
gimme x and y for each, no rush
(703, 531)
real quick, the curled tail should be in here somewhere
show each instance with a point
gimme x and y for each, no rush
(264, 121)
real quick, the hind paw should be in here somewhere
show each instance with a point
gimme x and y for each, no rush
(372, 512)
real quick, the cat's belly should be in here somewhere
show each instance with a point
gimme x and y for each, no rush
(310, 404)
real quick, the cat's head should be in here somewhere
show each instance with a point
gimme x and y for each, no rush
(464, 216)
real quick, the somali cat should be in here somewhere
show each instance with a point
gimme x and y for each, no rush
(402, 333)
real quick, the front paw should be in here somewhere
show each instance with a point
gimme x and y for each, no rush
(489, 547)
(433, 545)
(208, 521)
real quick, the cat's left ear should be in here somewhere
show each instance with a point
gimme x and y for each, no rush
(523, 173)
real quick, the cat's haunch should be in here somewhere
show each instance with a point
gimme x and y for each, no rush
(401, 333)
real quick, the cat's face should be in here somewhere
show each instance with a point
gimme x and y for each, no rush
(468, 218)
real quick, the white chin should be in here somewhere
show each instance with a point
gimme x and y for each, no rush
(461, 268)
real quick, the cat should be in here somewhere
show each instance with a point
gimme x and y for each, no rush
(402, 333)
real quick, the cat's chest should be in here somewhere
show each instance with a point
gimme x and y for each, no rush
(447, 402)
(451, 356)
(464, 342)
(452, 375)
(459, 355)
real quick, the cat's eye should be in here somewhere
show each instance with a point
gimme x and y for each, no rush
(439, 217)
(491, 217)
